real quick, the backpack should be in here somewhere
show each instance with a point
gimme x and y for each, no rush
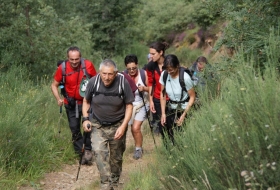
(83, 82)
(182, 70)
(64, 69)
(142, 74)
(96, 92)
(97, 84)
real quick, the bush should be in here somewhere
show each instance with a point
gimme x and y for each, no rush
(30, 144)
(231, 142)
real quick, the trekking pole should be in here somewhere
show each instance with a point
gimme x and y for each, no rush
(60, 112)
(82, 152)
(59, 122)
(148, 118)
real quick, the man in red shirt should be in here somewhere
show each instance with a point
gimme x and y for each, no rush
(72, 74)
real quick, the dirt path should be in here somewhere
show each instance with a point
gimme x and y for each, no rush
(89, 177)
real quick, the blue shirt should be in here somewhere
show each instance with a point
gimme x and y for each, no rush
(174, 90)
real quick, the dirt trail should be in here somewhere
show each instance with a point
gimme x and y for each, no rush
(65, 179)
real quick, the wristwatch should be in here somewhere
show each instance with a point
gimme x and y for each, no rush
(85, 119)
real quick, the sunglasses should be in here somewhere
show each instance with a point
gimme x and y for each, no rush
(132, 69)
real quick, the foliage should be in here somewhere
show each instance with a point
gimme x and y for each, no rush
(29, 141)
(160, 18)
(111, 25)
(249, 23)
(232, 141)
(35, 36)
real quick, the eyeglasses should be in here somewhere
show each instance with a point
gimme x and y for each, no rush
(132, 69)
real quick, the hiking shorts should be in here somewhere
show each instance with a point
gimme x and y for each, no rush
(140, 115)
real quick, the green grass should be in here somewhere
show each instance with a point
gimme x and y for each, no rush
(30, 143)
(232, 142)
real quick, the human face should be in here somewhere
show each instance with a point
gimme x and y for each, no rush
(107, 75)
(172, 71)
(74, 59)
(200, 66)
(155, 56)
(132, 68)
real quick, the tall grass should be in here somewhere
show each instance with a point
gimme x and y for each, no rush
(231, 142)
(29, 140)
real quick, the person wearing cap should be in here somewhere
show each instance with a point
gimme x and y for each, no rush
(73, 76)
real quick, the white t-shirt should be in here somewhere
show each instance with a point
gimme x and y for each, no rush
(138, 99)
(174, 90)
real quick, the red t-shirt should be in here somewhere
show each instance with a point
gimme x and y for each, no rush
(153, 68)
(73, 79)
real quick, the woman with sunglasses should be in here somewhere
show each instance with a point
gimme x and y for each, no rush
(180, 101)
(139, 114)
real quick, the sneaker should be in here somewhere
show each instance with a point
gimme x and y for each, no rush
(137, 154)
(87, 158)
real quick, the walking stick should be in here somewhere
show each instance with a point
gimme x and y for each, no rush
(148, 118)
(82, 152)
(60, 110)
(59, 122)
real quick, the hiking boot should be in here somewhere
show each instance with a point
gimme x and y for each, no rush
(87, 158)
(137, 154)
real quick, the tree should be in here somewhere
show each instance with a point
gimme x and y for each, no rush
(111, 22)
(32, 34)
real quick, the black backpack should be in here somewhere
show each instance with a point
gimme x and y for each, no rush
(182, 70)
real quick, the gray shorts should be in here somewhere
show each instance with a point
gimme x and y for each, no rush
(139, 116)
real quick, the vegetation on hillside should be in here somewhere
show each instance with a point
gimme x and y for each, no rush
(232, 142)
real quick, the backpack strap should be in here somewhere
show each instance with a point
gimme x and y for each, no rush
(181, 81)
(143, 76)
(120, 88)
(84, 68)
(182, 70)
(63, 67)
(121, 85)
(164, 78)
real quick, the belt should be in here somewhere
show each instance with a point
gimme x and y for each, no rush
(105, 123)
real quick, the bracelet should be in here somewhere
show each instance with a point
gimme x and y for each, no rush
(85, 119)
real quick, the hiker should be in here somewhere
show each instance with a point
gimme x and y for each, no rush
(107, 107)
(139, 114)
(154, 69)
(180, 100)
(72, 72)
(198, 67)
(203, 76)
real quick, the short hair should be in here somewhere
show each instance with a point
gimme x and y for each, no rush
(202, 59)
(171, 60)
(160, 46)
(74, 48)
(108, 63)
(130, 58)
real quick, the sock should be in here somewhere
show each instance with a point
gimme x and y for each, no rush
(138, 148)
